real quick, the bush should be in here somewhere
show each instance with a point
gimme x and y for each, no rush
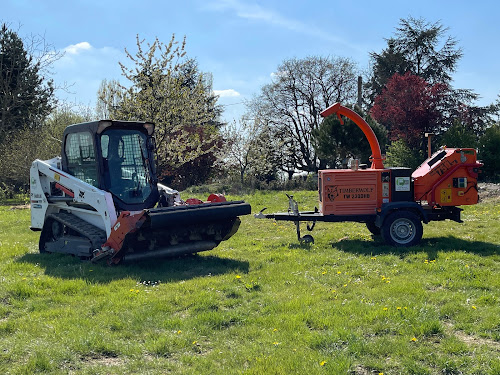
(459, 135)
(335, 142)
(19, 151)
(232, 185)
(399, 154)
(489, 153)
(21, 148)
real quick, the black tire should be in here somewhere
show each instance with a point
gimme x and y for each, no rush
(402, 229)
(373, 228)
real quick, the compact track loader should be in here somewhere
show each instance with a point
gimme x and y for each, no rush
(392, 202)
(101, 199)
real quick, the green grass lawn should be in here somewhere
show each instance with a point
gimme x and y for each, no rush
(260, 303)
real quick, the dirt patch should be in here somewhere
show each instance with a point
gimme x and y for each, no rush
(104, 360)
(360, 370)
(20, 207)
(488, 191)
(471, 340)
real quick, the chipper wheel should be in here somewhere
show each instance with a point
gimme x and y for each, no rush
(402, 228)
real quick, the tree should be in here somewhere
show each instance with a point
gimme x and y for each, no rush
(26, 95)
(266, 156)
(418, 47)
(167, 88)
(26, 145)
(475, 119)
(384, 66)
(291, 104)
(410, 88)
(489, 153)
(409, 107)
(238, 147)
(399, 154)
(336, 143)
(250, 149)
(109, 98)
(459, 135)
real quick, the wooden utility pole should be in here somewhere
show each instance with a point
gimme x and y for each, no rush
(429, 148)
(360, 93)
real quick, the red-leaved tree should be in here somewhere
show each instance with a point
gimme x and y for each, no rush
(409, 107)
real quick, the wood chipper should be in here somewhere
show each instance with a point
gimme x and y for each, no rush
(102, 199)
(393, 202)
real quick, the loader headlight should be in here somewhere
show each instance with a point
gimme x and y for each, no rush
(149, 127)
(103, 125)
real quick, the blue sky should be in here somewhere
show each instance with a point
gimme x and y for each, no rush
(242, 42)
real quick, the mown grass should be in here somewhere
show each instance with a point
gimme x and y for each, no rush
(260, 303)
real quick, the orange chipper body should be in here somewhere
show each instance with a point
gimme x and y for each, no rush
(447, 178)
(392, 202)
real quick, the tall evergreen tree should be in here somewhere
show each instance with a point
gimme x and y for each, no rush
(417, 47)
(410, 89)
(336, 143)
(26, 96)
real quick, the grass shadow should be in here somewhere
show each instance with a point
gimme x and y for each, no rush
(164, 270)
(290, 245)
(430, 245)
(298, 245)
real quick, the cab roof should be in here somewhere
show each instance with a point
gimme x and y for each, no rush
(96, 127)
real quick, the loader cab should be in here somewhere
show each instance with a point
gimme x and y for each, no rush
(114, 156)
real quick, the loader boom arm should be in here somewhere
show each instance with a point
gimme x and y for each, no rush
(339, 109)
(101, 211)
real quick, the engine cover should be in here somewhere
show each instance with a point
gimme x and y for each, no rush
(448, 178)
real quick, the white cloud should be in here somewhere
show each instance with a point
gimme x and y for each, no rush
(75, 49)
(82, 68)
(253, 11)
(227, 93)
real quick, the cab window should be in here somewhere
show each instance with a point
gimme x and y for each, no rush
(80, 153)
(126, 164)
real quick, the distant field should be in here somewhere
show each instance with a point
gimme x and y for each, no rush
(260, 303)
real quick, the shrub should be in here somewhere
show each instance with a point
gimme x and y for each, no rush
(489, 153)
(399, 154)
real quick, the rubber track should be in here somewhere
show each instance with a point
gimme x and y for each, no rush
(96, 236)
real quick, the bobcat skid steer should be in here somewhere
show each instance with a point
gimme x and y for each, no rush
(101, 199)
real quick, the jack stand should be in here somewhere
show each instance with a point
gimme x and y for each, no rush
(293, 208)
